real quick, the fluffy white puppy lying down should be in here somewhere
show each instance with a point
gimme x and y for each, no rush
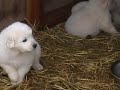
(89, 17)
(18, 51)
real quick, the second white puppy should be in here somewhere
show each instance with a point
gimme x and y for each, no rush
(89, 17)
(18, 51)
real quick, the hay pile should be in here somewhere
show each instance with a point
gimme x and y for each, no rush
(71, 63)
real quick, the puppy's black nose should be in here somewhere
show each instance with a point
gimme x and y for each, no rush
(34, 45)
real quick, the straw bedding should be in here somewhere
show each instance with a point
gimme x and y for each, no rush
(71, 63)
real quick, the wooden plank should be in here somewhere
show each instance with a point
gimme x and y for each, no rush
(35, 14)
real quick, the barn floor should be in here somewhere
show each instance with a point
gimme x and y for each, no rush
(71, 63)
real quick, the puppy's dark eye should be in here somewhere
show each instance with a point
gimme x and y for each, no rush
(24, 40)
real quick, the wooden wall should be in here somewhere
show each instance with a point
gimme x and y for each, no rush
(10, 11)
(35, 11)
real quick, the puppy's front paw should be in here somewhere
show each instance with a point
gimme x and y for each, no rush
(16, 83)
(38, 67)
(19, 80)
(14, 79)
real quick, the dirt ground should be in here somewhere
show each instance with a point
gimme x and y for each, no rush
(71, 63)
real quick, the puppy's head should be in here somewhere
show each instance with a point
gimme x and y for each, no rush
(19, 37)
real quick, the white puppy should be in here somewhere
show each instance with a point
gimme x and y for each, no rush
(19, 51)
(89, 17)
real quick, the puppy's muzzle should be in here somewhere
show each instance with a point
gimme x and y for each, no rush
(34, 46)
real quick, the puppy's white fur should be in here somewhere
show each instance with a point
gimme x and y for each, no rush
(19, 51)
(89, 17)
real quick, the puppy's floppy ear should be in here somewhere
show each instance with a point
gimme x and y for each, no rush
(10, 42)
